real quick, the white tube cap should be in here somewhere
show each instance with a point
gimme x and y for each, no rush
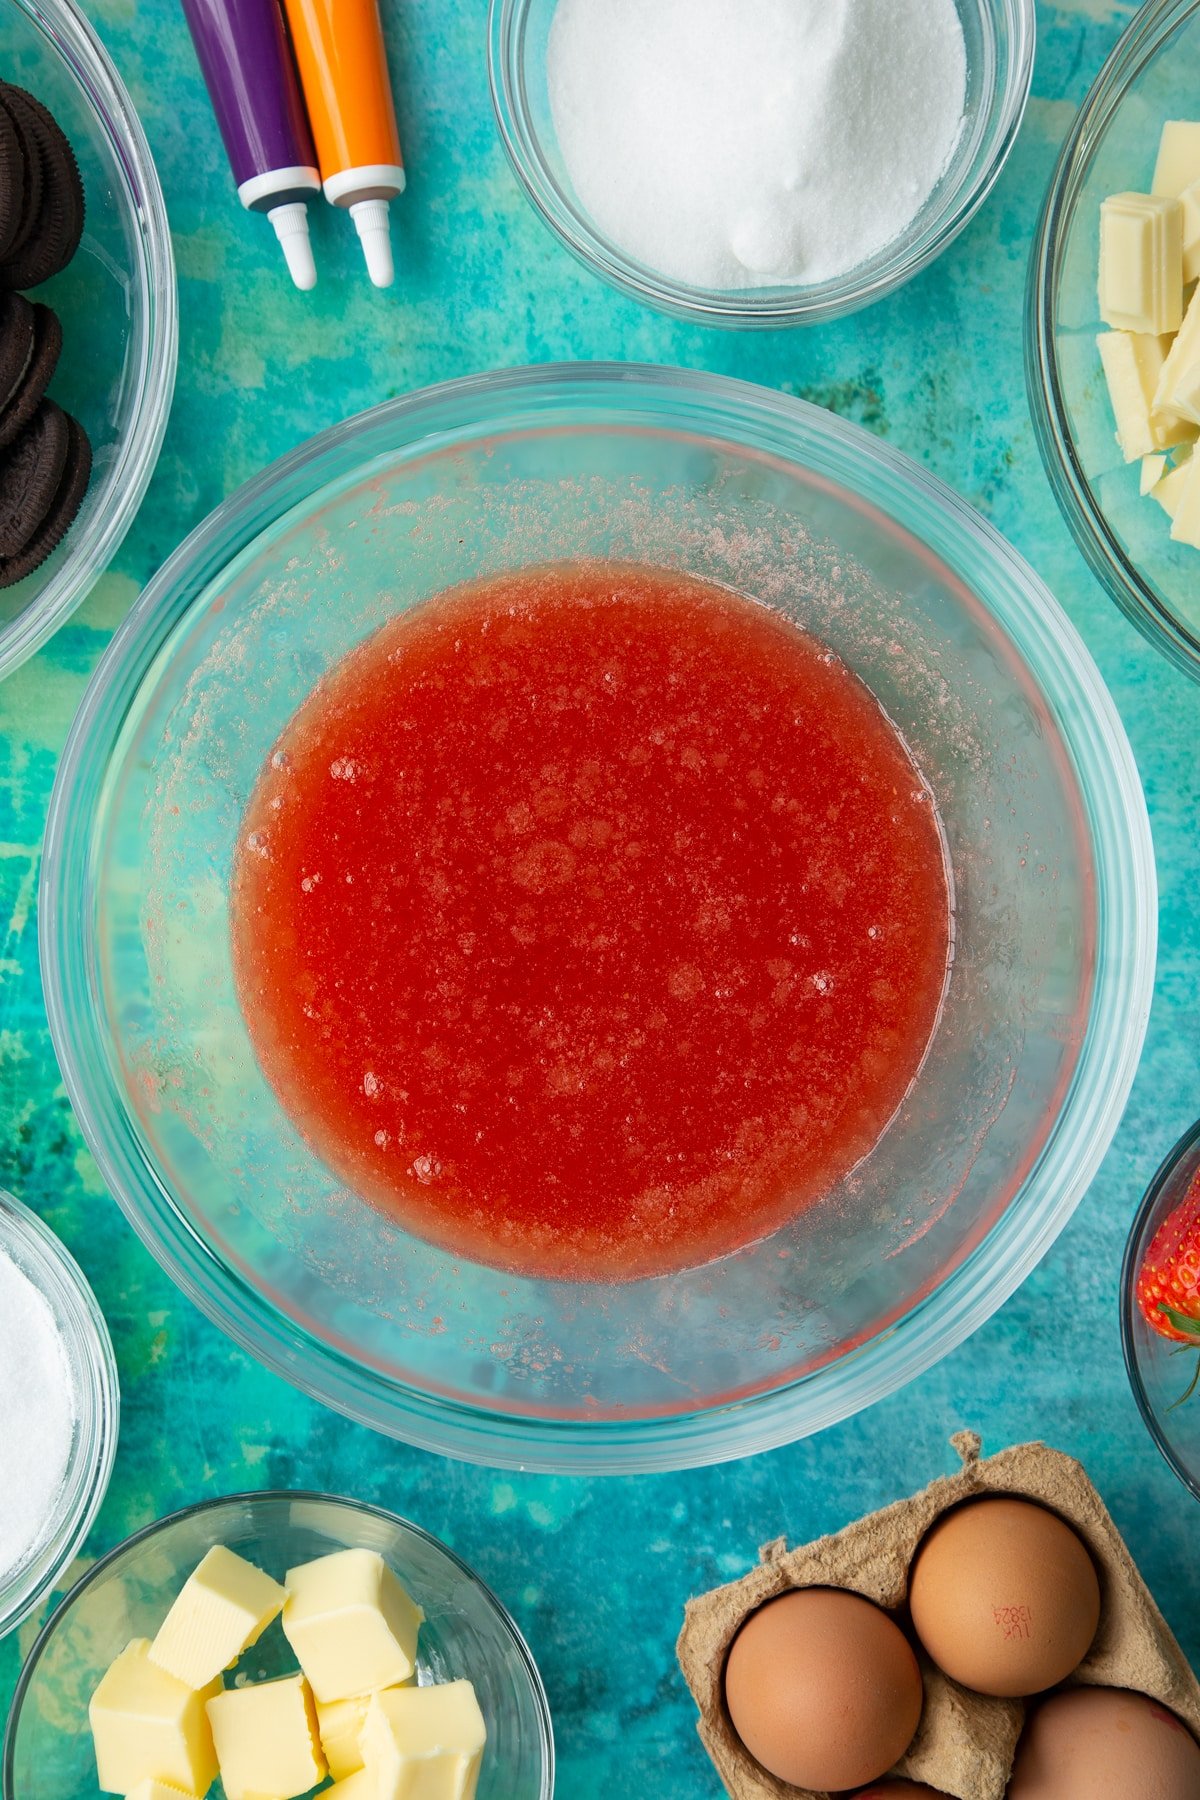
(374, 228)
(291, 228)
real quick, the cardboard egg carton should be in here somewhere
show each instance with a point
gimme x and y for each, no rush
(965, 1742)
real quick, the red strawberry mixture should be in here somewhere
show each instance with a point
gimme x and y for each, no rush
(593, 921)
(1168, 1286)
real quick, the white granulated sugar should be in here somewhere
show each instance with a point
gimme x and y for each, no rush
(740, 143)
(37, 1415)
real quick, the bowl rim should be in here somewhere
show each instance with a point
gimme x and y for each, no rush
(98, 1401)
(1118, 1015)
(1154, 21)
(251, 1497)
(786, 304)
(63, 24)
(1187, 1146)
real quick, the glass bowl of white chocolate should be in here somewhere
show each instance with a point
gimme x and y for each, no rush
(1113, 330)
(281, 1643)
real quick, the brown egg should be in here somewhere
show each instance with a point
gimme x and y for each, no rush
(1004, 1597)
(901, 1790)
(823, 1689)
(1092, 1742)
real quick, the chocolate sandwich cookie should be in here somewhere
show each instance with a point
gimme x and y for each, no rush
(40, 364)
(15, 103)
(54, 234)
(17, 336)
(68, 498)
(30, 471)
(12, 180)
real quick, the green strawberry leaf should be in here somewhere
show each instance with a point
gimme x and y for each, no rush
(1181, 1321)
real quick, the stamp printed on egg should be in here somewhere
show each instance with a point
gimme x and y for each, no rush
(1013, 1621)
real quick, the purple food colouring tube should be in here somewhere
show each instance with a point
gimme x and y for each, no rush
(247, 66)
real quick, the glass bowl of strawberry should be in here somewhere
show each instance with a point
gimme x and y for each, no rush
(1160, 1308)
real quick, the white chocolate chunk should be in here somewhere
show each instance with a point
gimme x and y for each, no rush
(1175, 379)
(1141, 263)
(351, 1624)
(149, 1727)
(1133, 367)
(1151, 357)
(1178, 164)
(359, 1786)
(266, 1739)
(1189, 200)
(1185, 522)
(223, 1608)
(425, 1743)
(1169, 491)
(1185, 395)
(155, 1790)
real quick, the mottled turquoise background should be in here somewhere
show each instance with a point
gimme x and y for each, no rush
(595, 1571)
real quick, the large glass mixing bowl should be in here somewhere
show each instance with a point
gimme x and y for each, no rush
(1045, 826)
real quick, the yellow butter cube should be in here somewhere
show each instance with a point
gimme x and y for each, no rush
(267, 1740)
(358, 1786)
(223, 1608)
(1141, 263)
(149, 1727)
(340, 1723)
(425, 1743)
(157, 1790)
(351, 1624)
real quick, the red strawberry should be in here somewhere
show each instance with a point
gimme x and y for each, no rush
(1168, 1284)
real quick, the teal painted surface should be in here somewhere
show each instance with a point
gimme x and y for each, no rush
(596, 1572)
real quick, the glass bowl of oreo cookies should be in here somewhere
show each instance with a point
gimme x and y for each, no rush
(88, 317)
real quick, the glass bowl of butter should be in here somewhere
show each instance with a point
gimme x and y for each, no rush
(1092, 430)
(225, 1640)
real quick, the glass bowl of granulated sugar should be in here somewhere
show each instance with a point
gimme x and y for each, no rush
(756, 162)
(58, 1410)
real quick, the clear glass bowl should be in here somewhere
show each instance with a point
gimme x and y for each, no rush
(1000, 37)
(1046, 830)
(57, 1277)
(117, 302)
(1160, 1370)
(467, 1634)
(1151, 76)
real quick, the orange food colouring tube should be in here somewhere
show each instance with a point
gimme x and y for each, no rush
(343, 70)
